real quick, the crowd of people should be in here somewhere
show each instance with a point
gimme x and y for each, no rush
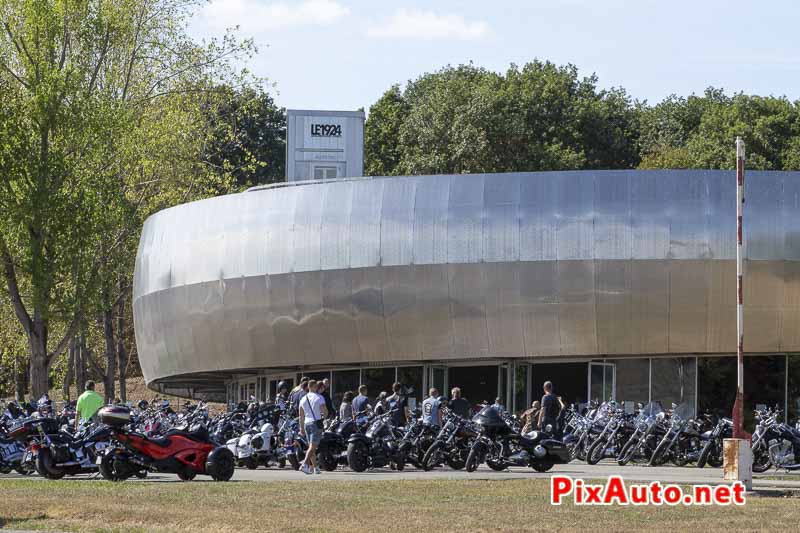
(311, 402)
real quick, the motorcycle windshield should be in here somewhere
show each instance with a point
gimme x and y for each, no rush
(683, 412)
(650, 410)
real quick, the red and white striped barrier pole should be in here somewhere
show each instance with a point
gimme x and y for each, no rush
(738, 406)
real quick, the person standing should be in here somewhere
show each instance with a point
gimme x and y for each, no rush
(530, 418)
(312, 413)
(548, 414)
(459, 405)
(380, 404)
(88, 404)
(297, 394)
(325, 392)
(498, 405)
(398, 404)
(361, 402)
(346, 407)
(431, 409)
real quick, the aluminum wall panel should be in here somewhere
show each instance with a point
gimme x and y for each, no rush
(465, 266)
(430, 221)
(538, 208)
(335, 232)
(397, 222)
(465, 219)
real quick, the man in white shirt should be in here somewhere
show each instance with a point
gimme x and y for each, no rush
(312, 413)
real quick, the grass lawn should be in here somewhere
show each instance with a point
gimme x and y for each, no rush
(364, 506)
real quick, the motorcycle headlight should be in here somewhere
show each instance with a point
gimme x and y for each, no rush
(533, 435)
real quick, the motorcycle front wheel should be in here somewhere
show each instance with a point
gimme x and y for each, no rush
(596, 452)
(474, 459)
(457, 459)
(429, 460)
(659, 456)
(293, 461)
(761, 462)
(357, 456)
(627, 452)
(704, 454)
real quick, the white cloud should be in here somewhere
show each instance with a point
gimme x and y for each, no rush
(416, 24)
(255, 16)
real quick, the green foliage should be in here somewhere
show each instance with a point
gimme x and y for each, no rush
(469, 119)
(697, 132)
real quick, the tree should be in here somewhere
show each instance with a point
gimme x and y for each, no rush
(468, 119)
(82, 84)
(247, 138)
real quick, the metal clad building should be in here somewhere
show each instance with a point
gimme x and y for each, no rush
(612, 283)
(324, 144)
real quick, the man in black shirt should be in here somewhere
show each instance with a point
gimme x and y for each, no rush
(398, 403)
(457, 404)
(550, 408)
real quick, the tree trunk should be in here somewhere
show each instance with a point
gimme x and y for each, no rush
(80, 364)
(70, 370)
(39, 364)
(111, 354)
(122, 355)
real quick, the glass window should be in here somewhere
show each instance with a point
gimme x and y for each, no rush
(411, 377)
(262, 389)
(673, 380)
(520, 387)
(438, 377)
(793, 401)
(764, 385)
(716, 383)
(478, 383)
(251, 390)
(343, 381)
(633, 381)
(377, 380)
(569, 381)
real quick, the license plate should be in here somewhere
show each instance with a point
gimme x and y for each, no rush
(98, 460)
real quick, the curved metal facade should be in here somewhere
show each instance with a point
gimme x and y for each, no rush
(465, 266)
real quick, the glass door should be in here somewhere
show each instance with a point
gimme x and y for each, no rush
(602, 378)
(437, 377)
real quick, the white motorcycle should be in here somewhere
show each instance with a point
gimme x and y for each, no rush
(257, 447)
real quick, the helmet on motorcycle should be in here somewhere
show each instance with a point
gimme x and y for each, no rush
(45, 404)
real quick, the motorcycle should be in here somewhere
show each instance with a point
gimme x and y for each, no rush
(681, 442)
(645, 437)
(775, 443)
(615, 434)
(378, 446)
(57, 453)
(711, 453)
(332, 450)
(186, 454)
(295, 446)
(499, 446)
(452, 444)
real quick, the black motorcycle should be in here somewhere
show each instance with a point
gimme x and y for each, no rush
(711, 453)
(332, 450)
(378, 446)
(648, 430)
(680, 443)
(452, 444)
(615, 434)
(499, 446)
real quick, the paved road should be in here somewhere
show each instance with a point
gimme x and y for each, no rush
(669, 474)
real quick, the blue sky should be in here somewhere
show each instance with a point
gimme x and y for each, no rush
(342, 54)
